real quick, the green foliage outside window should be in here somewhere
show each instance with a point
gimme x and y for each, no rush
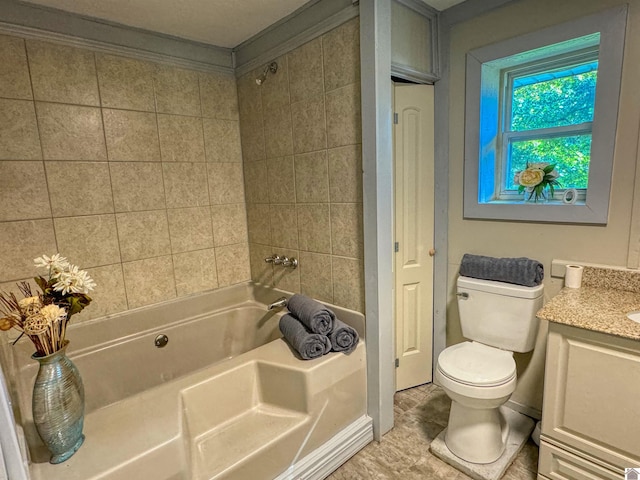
(558, 102)
(569, 154)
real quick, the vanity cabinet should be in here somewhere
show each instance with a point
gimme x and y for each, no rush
(591, 410)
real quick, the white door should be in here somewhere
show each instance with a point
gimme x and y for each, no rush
(414, 205)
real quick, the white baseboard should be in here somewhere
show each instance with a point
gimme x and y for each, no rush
(320, 463)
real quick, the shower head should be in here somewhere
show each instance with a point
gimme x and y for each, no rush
(261, 78)
(272, 67)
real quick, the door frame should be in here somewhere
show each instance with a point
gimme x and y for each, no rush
(377, 151)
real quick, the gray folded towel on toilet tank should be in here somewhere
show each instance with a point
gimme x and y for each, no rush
(343, 338)
(308, 345)
(521, 271)
(314, 315)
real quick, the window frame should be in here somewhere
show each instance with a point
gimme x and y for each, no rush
(484, 87)
(507, 136)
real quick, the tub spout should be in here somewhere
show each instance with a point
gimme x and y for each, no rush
(279, 303)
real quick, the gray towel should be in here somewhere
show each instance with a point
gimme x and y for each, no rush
(343, 338)
(521, 271)
(308, 345)
(314, 315)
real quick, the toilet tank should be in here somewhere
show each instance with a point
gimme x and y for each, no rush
(502, 315)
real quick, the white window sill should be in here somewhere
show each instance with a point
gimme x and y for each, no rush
(543, 203)
(553, 211)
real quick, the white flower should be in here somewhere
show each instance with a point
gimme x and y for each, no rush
(87, 282)
(29, 301)
(30, 305)
(55, 264)
(531, 177)
(53, 313)
(73, 280)
(516, 177)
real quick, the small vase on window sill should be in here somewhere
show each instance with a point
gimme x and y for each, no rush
(537, 182)
(531, 197)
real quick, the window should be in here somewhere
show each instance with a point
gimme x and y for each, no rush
(552, 97)
(548, 110)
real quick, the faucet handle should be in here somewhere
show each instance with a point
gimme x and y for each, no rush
(275, 259)
(290, 262)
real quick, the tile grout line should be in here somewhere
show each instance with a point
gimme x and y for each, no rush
(42, 156)
(206, 159)
(106, 150)
(293, 175)
(164, 186)
(324, 93)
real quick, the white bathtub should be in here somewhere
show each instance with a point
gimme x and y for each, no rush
(224, 399)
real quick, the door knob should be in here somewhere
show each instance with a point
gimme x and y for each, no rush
(432, 252)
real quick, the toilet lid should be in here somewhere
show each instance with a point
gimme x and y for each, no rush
(477, 364)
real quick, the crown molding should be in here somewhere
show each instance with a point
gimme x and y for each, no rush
(32, 21)
(308, 22)
(469, 9)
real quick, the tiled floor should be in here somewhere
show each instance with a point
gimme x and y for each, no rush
(420, 414)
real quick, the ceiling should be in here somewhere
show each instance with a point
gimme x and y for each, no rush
(442, 4)
(225, 23)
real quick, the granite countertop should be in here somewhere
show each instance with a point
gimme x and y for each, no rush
(600, 305)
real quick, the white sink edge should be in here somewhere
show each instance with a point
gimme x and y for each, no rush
(635, 316)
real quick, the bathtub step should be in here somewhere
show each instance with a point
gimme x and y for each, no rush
(264, 431)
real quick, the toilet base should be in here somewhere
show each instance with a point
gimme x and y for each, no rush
(476, 435)
(520, 427)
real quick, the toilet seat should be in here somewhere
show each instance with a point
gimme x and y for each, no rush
(477, 365)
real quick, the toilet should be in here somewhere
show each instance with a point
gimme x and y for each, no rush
(480, 375)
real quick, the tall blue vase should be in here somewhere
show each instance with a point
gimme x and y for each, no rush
(58, 405)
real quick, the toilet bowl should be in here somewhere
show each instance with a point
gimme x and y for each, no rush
(478, 379)
(480, 375)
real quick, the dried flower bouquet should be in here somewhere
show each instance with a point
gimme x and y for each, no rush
(44, 316)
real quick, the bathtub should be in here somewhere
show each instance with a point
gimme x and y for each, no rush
(224, 398)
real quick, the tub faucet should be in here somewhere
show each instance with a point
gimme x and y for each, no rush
(279, 303)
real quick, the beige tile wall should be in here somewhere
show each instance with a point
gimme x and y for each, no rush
(132, 170)
(301, 144)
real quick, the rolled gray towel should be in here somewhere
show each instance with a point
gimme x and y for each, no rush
(343, 338)
(308, 345)
(314, 315)
(521, 271)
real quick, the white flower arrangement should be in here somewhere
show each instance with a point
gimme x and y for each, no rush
(535, 178)
(44, 316)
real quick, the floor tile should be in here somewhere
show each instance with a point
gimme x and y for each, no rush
(421, 413)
